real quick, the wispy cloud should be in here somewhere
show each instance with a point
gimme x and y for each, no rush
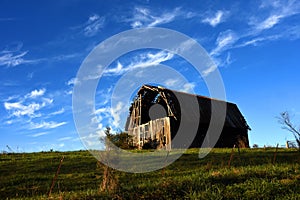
(39, 134)
(58, 112)
(224, 41)
(209, 70)
(188, 87)
(143, 17)
(46, 125)
(256, 41)
(180, 85)
(215, 19)
(63, 57)
(93, 25)
(269, 22)
(265, 26)
(279, 10)
(116, 113)
(12, 59)
(12, 55)
(104, 96)
(65, 138)
(171, 82)
(73, 81)
(143, 61)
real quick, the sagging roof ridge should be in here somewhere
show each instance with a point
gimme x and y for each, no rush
(185, 93)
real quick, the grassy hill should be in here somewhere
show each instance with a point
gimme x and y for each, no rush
(252, 174)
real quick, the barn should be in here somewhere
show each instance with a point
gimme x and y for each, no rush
(155, 117)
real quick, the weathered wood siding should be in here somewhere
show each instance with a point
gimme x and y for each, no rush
(158, 129)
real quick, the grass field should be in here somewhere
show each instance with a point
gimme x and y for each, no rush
(252, 174)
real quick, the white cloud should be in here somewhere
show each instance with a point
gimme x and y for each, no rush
(228, 60)
(116, 113)
(258, 40)
(36, 93)
(15, 105)
(65, 138)
(9, 122)
(253, 42)
(11, 98)
(19, 108)
(39, 134)
(22, 110)
(216, 19)
(274, 13)
(58, 112)
(73, 81)
(63, 57)
(46, 125)
(93, 25)
(180, 85)
(222, 61)
(209, 70)
(269, 22)
(188, 87)
(102, 110)
(143, 17)
(92, 140)
(185, 46)
(69, 92)
(171, 82)
(279, 10)
(117, 70)
(10, 59)
(269, 3)
(143, 61)
(47, 101)
(224, 41)
(104, 96)
(93, 18)
(136, 24)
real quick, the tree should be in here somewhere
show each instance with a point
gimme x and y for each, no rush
(284, 119)
(121, 139)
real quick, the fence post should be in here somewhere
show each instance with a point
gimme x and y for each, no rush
(231, 156)
(275, 154)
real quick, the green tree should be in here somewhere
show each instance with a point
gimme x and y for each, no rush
(121, 139)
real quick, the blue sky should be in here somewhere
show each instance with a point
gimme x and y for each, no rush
(43, 43)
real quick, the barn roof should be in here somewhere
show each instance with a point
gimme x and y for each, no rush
(234, 117)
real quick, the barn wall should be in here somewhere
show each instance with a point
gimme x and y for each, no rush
(233, 136)
(158, 129)
(228, 138)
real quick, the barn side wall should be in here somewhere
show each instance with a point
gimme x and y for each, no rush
(228, 138)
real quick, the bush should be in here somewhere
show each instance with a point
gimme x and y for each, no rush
(151, 144)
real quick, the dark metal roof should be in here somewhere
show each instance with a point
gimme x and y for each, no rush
(234, 117)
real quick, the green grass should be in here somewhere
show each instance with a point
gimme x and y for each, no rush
(252, 175)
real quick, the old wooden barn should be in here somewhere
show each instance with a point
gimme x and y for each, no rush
(148, 122)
